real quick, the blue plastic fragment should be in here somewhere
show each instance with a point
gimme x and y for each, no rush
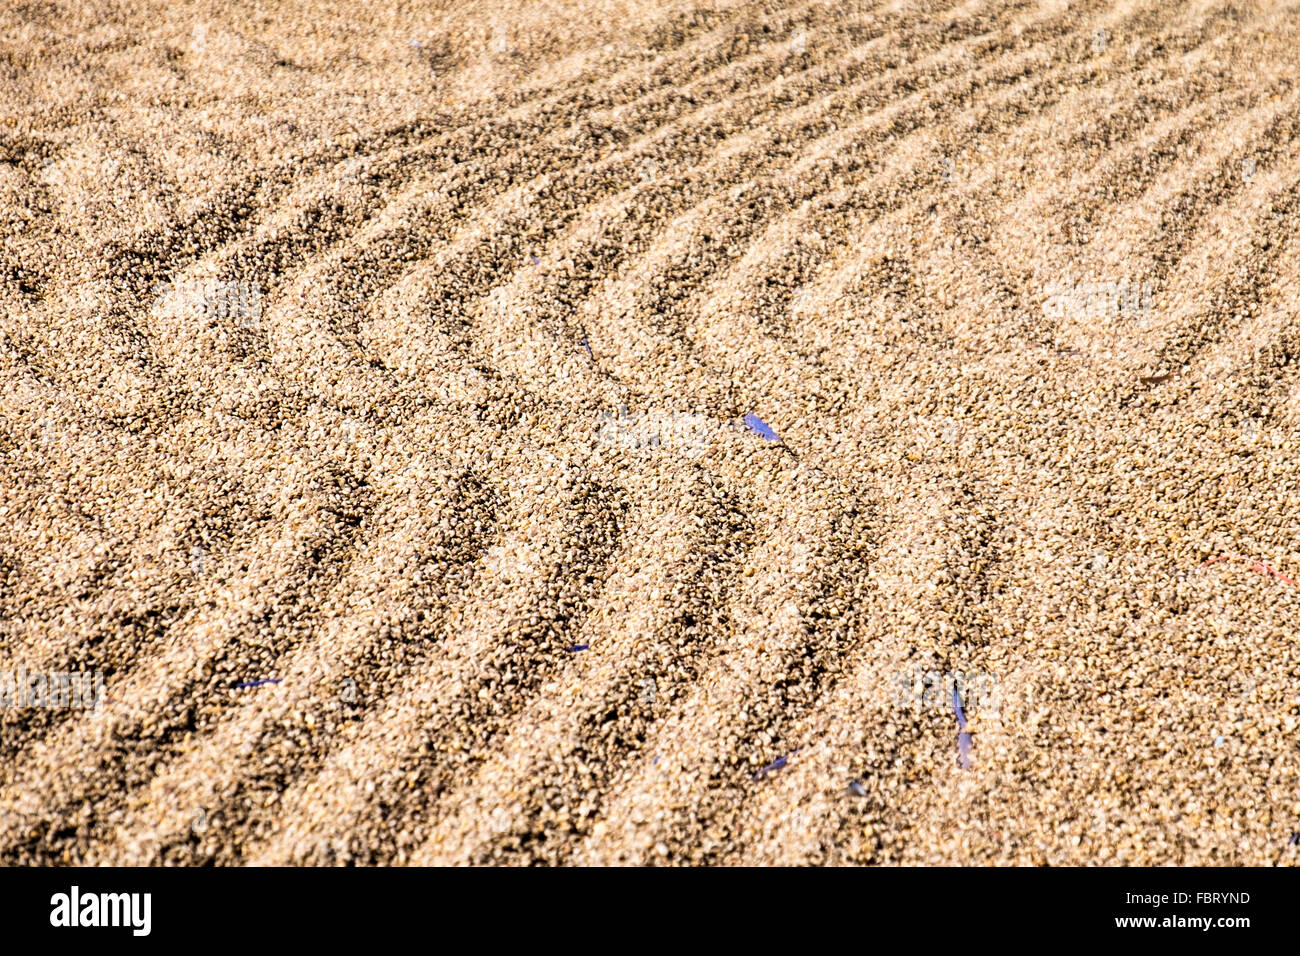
(963, 738)
(776, 764)
(534, 260)
(760, 427)
(577, 647)
(857, 789)
(258, 683)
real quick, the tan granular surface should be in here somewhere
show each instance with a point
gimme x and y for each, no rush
(336, 343)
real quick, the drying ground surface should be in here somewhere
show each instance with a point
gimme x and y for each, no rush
(372, 421)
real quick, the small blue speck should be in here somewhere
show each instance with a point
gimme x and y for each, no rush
(777, 764)
(760, 427)
(258, 683)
